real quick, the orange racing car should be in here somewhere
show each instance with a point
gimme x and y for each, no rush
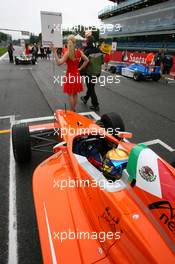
(98, 197)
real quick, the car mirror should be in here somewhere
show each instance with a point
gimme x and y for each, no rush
(125, 135)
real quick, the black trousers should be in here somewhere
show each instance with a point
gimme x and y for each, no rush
(10, 56)
(91, 91)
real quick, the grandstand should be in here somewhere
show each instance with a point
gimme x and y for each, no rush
(144, 24)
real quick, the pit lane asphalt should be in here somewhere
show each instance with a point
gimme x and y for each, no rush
(147, 108)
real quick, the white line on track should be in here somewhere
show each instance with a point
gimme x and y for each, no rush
(47, 118)
(12, 245)
(171, 82)
(22, 69)
(160, 142)
(36, 119)
(3, 56)
(6, 117)
(5, 59)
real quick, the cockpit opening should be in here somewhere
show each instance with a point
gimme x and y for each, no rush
(106, 156)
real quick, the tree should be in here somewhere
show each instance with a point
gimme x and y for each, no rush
(67, 33)
(80, 29)
(33, 39)
(3, 36)
(16, 42)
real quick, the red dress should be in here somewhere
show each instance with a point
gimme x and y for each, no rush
(106, 58)
(27, 51)
(72, 79)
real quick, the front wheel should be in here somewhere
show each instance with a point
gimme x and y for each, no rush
(21, 143)
(113, 69)
(156, 77)
(16, 62)
(137, 76)
(112, 122)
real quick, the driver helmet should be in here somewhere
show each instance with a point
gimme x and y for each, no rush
(115, 162)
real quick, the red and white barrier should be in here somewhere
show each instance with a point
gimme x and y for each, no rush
(134, 57)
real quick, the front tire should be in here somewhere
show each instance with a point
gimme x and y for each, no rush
(16, 62)
(113, 122)
(137, 76)
(21, 143)
(156, 77)
(113, 69)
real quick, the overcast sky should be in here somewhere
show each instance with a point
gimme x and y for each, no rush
(25, 15)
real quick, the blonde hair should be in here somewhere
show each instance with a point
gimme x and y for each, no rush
(71, 41)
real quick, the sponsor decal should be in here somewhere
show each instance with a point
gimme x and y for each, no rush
(136, 59)
(168, 218)
(147, 174)
(110, 219)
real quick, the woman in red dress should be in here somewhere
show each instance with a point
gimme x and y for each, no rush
(27, 51)
(72, 79)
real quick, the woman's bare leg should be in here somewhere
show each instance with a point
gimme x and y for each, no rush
(75, 101)
(73, 98)
(71, 102)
